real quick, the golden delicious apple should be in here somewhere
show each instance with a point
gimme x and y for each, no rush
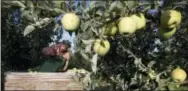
(170, 18)
(178, 75)
(110, 29)
(166, 33)
(70, 21)
(127, 26)
(140, 20)
(101, 47)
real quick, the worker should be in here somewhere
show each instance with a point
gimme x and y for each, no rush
(56, 57)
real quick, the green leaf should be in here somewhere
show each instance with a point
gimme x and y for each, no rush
(95, 31)
(116, 5)
(87, 80)
(85, 25)
(57, 11)
(94, 63)
(106, 14)
(159, 75)
(88, 48)
(49, 3)
(58, 3)
(151, 63)
(99, 12)
(146, 8)
(19, 4)
(131, 4)
(85, 35)
(46, 20)
(96, 4)
(30, 5)
(162, 83)
(87, 42)
(27, 15)
(36, 13)
(29, 29)
(172, 86)
(85, 56)
(43, 5)
(38, 24)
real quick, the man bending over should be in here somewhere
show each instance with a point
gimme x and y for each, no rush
(58, 50)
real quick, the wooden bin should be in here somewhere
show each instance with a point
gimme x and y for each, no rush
(41, 81)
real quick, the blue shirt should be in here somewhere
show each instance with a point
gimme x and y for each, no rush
(62, 34)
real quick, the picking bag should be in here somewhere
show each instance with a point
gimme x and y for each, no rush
(52, 64)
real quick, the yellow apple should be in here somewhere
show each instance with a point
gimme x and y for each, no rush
(140, 20)
(110, 29)
(70, 21)
(170, 18)
(178, 75)
(101, 47)
(127, 26)
(166, 33)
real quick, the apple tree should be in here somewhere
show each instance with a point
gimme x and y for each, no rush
(122, 45)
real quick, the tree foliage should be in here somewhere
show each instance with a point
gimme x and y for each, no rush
(141, 61)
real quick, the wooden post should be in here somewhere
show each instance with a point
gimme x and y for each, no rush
(41, 81)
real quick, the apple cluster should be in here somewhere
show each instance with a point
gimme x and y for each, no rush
(126, 26)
